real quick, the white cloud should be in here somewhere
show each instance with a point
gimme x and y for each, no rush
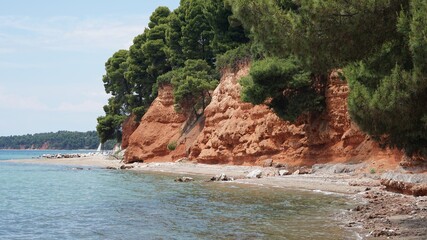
(10, 100)
(85, 106)
(89, 102)
(69, 33)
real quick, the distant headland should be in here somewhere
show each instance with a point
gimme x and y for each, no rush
(64, 140)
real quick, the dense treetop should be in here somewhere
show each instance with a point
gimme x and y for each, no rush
(378, 46)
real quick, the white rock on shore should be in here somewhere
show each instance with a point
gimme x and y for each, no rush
(254, 174)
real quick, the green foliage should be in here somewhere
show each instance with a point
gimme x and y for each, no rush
(381, 46)
(323, 34)
(131, 76)
(159, 16)
(232, 58)
(269, 25)
(109, 127)
(114, 81)
(226, 36)
(392, 85)
(286, 83)
(60, 140)
(191, 84)
(196, 31)
(138, 112)
(137, 74)
(172, 146)
(201, 29)
(389, 88)
(173, 37)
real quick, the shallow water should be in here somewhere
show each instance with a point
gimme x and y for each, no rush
(52, 202)
(28, 154)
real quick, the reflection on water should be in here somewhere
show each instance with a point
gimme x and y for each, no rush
(51, 202)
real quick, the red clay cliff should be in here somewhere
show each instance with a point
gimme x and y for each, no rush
(159, 127)
(235, 132)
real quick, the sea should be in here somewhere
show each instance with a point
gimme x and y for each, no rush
(64, 202)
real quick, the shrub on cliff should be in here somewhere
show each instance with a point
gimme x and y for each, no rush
(191, 86)
(286, 84)
(172, 146)
(234, 57)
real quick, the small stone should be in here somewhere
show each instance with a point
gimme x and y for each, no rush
(384, 232)
(305, 170)
(184, 179)
(221, 177)
(182, 160)
(279, 165)
(254, 174)
(358, 208)
(350, 224)
(296, 172)
(283, 172)
(268, 163)
(126, 166)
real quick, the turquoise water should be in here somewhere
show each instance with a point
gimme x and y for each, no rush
(28, 154)
(60, 202)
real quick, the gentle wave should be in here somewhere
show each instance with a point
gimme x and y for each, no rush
(52, 202)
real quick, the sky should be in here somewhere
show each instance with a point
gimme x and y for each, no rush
(52, 56)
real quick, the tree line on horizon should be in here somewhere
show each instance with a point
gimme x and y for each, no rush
(61, 140)
(378, 47)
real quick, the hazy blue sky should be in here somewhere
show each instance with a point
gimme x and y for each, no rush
(52, 56)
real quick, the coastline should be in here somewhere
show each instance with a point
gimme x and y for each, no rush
(378, 213)
(336, 183)
(85, 161)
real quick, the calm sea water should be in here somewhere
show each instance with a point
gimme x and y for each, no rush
(60, 202)
(29, 154)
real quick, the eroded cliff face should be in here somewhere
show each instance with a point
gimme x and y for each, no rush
(160, 126)
(235, 132)
(240, 133)
(129, 126)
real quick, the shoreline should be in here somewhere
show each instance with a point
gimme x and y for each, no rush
(335, 183)
(93, 161)
(378, 214)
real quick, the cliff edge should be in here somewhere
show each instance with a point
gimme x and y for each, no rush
(235, 132)
(159, 127)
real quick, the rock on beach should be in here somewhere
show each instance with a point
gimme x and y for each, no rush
(254, 174)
